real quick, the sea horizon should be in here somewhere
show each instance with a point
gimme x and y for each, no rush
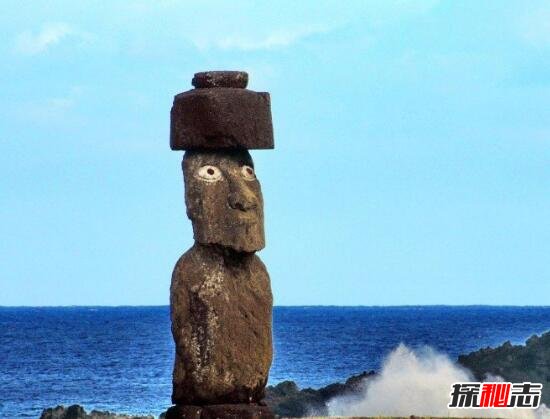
(296, 306)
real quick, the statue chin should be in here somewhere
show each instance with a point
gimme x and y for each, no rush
(243, 238)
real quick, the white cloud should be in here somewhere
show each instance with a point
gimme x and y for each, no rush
(50, 110)
(29, 43)
(277, 39)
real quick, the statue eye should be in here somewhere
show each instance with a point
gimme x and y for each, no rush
(209, 173)
(248, 173)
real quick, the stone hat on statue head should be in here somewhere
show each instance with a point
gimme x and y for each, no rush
(220, 113)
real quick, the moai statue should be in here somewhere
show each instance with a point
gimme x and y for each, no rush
(220, 297)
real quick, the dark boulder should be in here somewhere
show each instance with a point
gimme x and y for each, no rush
(514, 363)
(287, 400)
(76, 411)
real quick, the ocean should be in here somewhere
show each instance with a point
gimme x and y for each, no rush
(120, 358)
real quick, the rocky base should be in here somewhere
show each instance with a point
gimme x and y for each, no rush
(288, 400)
(283, 400)
(514, 363)
(77, 412)
(220, 411)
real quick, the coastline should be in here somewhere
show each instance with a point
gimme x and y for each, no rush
(286, 399)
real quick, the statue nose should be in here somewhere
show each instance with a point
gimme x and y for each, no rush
(242, 200)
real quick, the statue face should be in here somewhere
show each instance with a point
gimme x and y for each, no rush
(224, 199)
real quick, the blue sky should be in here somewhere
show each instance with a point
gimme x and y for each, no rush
(412, 159)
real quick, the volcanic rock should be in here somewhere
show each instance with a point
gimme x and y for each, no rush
(77, 412)
(287, 400)
(514, 363)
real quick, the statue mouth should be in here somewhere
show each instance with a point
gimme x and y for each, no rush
(247, 218)
(248, 208)
(245, 213)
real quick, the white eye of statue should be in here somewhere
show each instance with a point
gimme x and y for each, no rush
(248, 173)
(209, 173)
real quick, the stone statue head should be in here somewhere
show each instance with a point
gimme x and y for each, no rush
(224, 200)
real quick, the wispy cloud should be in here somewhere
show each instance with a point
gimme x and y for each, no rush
(32, 43)
(49, 110)
(279, 38)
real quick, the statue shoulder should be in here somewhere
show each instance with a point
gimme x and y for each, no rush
(188, 259)
(258, 263)
(187, 277)
(191, 264)
(196, 265)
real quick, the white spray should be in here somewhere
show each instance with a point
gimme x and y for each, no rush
(418, 382)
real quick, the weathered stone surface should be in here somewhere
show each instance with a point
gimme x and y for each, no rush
(183, 412)
(221, 118)
(220, 411)
(237, 411)
(224, 199)
(221, 322)
(212, 79)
